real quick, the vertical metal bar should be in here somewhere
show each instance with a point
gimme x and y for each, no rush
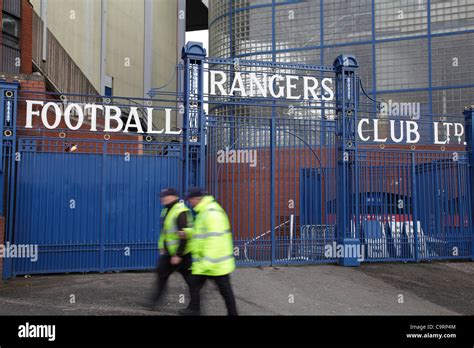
(44, 18)
(103, 203)
(272, 183)
(231, 38)
(148, 46)
(321, 33)
(103, 44)
(273, 31)
(194, 156)
(202, 125)
(355, 160)
(451, 177)
(185, 147)
(414, 196)
(374, 58)
(290, 247)
(469, 123)
(346, 94)
(430, 68)
(8, 105)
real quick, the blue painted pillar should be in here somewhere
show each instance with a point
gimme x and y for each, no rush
(194, 120)
(347, 215)
(8, 113)
(469, 123)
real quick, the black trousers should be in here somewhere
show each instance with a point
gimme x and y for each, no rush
(165, 269)
(225, 288)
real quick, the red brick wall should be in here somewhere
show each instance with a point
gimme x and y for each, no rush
(245, 192)
(26, 37)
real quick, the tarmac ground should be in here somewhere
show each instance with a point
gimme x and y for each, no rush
(437, 288)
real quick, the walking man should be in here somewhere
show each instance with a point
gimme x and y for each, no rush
(212, 251)
(174, 243)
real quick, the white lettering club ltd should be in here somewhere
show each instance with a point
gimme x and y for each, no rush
(407, 131)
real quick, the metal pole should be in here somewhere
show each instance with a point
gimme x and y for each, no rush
(414, 197)
(8, 110)
(44, 18)
(103, 44)
(346, 101)
(290, 249)
(469, 123)
(272, 183)
(193, 55)
(148, 47)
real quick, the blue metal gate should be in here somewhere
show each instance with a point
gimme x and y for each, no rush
(91, 211)
(87, 200)
(301, 178)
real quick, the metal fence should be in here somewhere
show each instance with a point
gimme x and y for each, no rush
(258, 149)
(322, 178)
(303, 180)
(87, 198)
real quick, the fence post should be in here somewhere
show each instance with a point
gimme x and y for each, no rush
(469, 123)
(8, 110)
(194, 122)
(414, 204)
(347, 98)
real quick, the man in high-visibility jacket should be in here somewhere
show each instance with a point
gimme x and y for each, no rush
(212, 251)
(174, 243)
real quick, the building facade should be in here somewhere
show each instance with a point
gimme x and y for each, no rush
(15, 36)
(125, 47)
(415, 53)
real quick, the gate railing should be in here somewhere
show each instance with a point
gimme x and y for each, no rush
(85, 196)
(304, 163)
(375, 174)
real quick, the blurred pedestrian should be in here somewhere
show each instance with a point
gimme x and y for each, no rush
(212, 251)
(174, 243)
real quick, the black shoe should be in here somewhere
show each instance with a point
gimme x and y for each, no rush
(189, 312)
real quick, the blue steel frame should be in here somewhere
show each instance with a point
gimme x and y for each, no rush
(193, 55)
(8, 114)
(347, 95)
(469, 122)
(374, 92)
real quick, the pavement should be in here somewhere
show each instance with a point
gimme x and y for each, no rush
(438, 288)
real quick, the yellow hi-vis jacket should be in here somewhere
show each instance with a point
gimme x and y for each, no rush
(212, 246)
(169, 233)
